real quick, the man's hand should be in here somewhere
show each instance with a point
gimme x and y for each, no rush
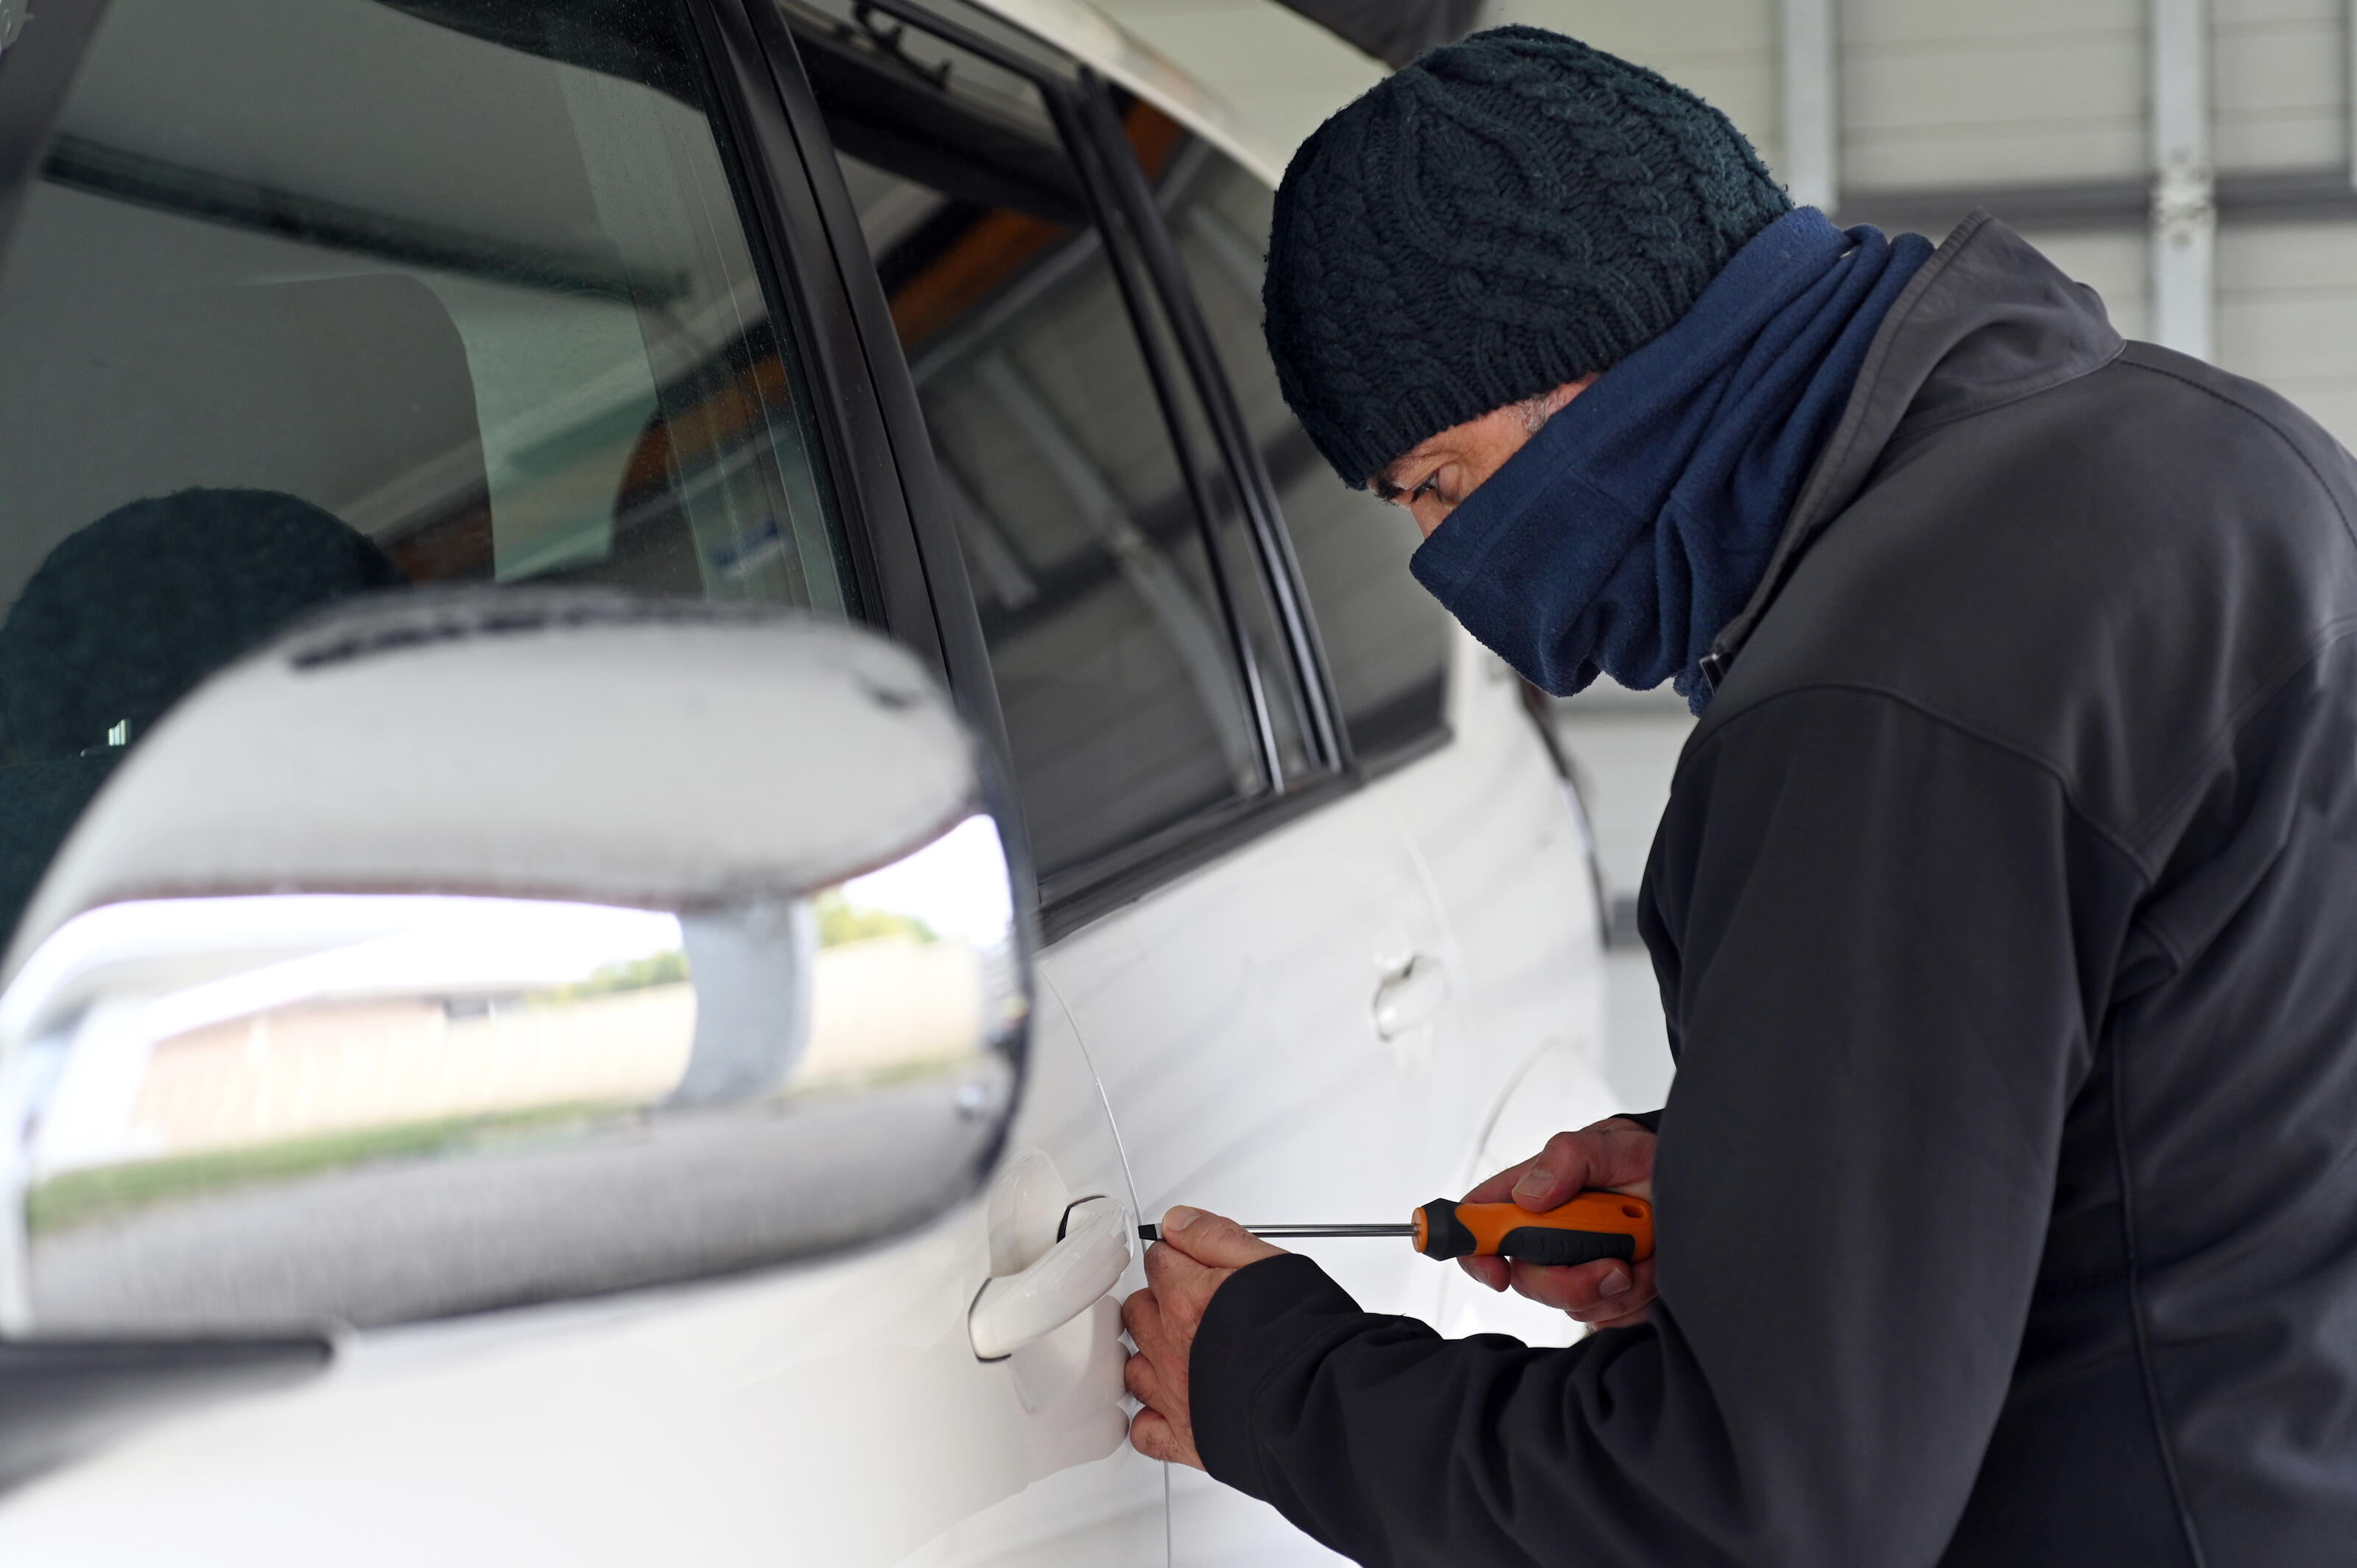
(1197, 1253)
(1614, 1153)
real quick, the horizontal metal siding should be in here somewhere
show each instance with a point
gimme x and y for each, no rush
(1998, 92)
(2287, 314)
(2276, 89)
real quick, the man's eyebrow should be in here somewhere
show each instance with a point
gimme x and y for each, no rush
(1386, 482)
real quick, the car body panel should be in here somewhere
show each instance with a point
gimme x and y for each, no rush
(1221, 1025)
(1266, 967)
(834, 1410)
(1103, 44)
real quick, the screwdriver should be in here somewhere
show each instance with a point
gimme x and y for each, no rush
(1591, 1226)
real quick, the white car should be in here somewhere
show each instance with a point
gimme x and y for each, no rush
(932, 318)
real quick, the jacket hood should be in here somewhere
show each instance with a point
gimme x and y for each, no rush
(1986, 321)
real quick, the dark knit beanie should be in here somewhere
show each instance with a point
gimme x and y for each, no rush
(1503, 216)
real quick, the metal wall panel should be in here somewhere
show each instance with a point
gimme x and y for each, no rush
(1998, 92)
(2276, 85)
(2114, 266)
(2287, 314)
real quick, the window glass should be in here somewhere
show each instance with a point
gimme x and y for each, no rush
(1122, 681)
(1387, 641)
(322, 296)
(1156, 139)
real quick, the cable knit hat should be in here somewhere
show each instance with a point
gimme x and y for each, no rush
(1503, 216)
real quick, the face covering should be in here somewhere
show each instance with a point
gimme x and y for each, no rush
(1630, 529)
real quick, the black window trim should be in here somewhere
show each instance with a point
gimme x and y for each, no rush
(929, 601)
(1074, 898)
(789, 235)
(1064, 87)
(1281, 566)
(1329, 738)
(1121, 241)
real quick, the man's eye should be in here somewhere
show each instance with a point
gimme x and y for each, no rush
(1431, 487)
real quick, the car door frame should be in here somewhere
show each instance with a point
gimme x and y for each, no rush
(914, 580)
(1146, 261)
(907, 567)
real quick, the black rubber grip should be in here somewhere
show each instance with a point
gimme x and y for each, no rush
(1444, 1235)
(1539, 1244)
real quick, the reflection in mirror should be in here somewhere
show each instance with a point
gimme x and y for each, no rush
(240, 1113)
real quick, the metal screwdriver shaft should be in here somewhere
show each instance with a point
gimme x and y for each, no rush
(1592, 1225)
(1153, 1232)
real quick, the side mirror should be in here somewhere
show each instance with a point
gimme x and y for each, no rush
(465, 950)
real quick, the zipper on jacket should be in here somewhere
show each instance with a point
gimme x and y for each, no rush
(1713, 667)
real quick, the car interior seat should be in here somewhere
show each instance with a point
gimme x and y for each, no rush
(123, 618)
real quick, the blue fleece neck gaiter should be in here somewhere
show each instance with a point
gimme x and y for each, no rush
(1636, 524)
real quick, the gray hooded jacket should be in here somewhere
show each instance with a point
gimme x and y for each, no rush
(2005, 916)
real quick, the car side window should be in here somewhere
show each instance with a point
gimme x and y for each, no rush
(1387, 641)
(1117, 668)
(312, 300)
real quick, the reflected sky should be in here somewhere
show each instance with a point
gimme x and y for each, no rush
(956, 885)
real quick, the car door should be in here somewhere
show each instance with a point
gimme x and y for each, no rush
(499, 295)
(1443, 732)
(1243, 939)
(1236, 852)
(1251, 951)
(1447, 766)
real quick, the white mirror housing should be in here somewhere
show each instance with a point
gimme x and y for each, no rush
(465, 950)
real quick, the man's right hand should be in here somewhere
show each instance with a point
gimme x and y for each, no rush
(1616, 1153)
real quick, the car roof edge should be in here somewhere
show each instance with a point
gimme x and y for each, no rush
(1111, 51)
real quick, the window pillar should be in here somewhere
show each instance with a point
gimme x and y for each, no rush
(1811, 103)
(2184, 204)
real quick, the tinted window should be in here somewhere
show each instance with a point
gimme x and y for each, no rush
(1121, 679)
(323, 297)
(1387, 641)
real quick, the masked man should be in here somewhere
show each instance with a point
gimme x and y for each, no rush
(2004, 907)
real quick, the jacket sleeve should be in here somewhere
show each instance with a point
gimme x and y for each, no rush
(1884, 944)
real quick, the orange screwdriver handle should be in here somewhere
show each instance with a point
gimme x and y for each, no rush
(1594, 1225)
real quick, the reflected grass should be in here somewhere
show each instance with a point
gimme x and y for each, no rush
(98, 1193)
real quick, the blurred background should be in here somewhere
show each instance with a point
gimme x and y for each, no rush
(2194, 160)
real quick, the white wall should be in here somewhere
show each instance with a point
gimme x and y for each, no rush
(2277, 73)
(1995, 92)
(2287, 314)
(1624, 747)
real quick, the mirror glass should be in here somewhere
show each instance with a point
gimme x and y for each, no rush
(304, 1111)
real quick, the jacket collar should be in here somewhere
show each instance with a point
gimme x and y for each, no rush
(1986, 321)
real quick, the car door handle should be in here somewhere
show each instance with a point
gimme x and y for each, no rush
(1411, 997)
(1086, 1262)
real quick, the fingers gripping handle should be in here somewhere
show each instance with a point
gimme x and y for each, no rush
(1086, 1262)
(1592, 1225)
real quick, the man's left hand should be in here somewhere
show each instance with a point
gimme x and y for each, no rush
(1196, 1255)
